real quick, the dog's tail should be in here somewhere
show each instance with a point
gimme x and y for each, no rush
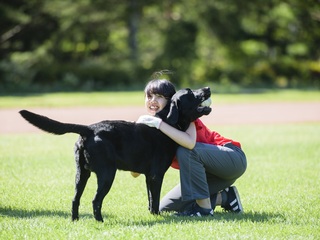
(52, 126)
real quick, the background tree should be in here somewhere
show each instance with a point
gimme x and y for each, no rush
(97, 44)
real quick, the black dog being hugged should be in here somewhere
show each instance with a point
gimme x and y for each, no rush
(106, 146)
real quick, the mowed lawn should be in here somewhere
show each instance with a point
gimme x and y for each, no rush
(280, 191)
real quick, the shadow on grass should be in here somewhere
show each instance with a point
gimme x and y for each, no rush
(168, 218)
(165, 218)
(24, 213)
(248, 216)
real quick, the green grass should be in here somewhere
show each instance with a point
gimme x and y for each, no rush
(279, 191)
(137, 98)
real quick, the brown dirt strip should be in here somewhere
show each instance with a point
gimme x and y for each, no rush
(223, 114)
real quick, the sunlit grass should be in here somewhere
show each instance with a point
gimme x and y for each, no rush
(279, 191)
(137, 98)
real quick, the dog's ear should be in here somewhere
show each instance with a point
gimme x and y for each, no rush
(173, 115)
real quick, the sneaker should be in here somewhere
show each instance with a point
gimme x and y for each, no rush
(233, 203)
(195, 211)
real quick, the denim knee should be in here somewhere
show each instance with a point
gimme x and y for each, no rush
(182, 153)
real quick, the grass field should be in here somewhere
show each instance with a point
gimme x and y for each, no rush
(279, 191)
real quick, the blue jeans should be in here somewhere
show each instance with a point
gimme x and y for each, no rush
(204, 171)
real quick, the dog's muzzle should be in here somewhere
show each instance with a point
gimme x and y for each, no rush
(204, 106)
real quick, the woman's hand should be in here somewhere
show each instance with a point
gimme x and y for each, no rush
(135, 174)
(151, 121)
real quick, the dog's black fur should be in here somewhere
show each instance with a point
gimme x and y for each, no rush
(106, 146)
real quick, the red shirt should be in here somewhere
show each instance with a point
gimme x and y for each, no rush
(205, 135)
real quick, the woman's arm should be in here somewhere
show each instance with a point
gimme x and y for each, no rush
(185, 139)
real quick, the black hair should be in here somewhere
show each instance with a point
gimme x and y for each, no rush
(160, 86)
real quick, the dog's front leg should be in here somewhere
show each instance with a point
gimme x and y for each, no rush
(154, 189)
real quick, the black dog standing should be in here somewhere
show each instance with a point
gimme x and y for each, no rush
(106, 146)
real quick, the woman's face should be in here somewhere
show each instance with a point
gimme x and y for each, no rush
(155, 103)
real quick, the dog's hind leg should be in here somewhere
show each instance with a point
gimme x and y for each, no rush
(81, 180)
(105, 177)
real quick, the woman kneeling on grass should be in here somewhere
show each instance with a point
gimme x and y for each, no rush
(209, 163)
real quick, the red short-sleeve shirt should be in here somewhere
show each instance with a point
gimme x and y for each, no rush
(205, 135)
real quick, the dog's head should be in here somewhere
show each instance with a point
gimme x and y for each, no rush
(185, 107)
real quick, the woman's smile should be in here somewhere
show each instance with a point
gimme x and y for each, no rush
(155, 103)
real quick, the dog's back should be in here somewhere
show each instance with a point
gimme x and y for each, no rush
(130, 146)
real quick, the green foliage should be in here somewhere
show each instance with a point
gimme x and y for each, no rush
(91, 45)
(279, 191)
